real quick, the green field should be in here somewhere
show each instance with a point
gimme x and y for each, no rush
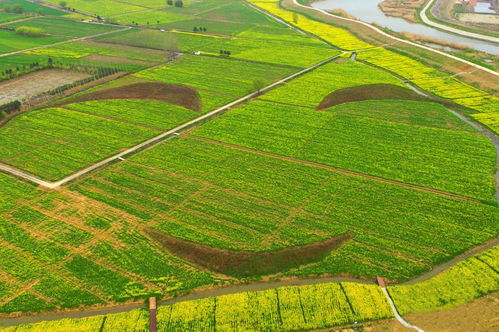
(30, 7)
(49, 143)
(241, 200)
(218, 80)
(387, 182)
(7, 17)
(64, 27)
(257, 44)
(300, 307)
(12, 42)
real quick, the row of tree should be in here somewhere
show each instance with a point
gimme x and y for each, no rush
(222, 52)
(200, 29)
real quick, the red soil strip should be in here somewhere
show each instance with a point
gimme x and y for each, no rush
(172, 93)
(368, 92)
(243, 263)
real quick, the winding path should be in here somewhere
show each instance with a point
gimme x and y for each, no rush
(447, 28)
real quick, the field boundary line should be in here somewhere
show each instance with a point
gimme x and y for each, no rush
(333, 168)
(156, 139)
(469, 63)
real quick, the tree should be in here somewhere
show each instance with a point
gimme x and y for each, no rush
(179, 3)
(169, 2)
(295, 18)
(63, 4)
(195, 29)
(258, 84)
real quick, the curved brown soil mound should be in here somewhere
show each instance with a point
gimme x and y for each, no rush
(368, 92)
(247, 263)
(172, 93)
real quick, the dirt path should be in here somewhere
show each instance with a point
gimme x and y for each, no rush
(233, 289)
(426, 20)
(19, 20)
(157, 139)
(336, 169)
(65, 42)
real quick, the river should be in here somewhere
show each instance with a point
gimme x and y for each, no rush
(369, 12)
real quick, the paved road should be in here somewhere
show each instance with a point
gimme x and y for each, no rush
(396, 313)
(65, 42)
(456, 31)
(490, 71)
(156, 139)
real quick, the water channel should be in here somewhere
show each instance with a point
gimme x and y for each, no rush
(369, 12)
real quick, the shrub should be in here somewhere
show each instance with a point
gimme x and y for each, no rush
(30, 31)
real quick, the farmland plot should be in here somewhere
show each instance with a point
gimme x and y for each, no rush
(234, 199)
(218, 80)
(51, 144)
(40, 244)
(458, 161)
(472, 278)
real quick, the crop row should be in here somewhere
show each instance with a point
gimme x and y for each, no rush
(51, 144)
(460, 162)
(233, 199)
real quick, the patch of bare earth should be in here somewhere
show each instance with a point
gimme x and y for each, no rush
(247, 263)
(368, 92)
(480, 315)
(35, 83)
(172, 93)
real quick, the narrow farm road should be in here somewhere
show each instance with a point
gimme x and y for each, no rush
(469, 63)
(19, 20)
(428, 21)
(157, 139)
(65, 42)
(396, 313)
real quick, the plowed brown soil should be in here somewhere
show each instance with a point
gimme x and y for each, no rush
(368, 92)
(172, 93)
(247, 263)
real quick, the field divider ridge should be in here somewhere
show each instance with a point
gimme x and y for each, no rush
(159, 138)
